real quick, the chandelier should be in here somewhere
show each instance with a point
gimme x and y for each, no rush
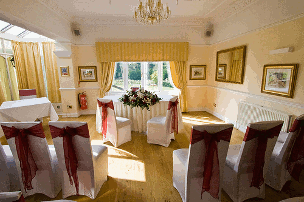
(151, 12)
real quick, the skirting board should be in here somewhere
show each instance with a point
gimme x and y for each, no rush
(83, 112)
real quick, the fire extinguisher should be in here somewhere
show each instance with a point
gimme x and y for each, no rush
(82, 101)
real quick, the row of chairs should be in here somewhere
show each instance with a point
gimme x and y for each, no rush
(71, 164)
(265, 156)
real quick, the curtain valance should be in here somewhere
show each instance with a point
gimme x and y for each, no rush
(141, 51)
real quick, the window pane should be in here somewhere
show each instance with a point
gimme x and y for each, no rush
(3, 24)
(8, 46)
(166, 82)
(134, 74)
(15, 30)
(117, 85)
(152, 77)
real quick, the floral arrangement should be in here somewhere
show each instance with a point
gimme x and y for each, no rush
(140, 98)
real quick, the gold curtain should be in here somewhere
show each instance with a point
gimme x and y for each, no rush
(2, 98)
(141, 51)
(50, 63)
(13, 76)
(178, 73)
(6, 94)
(106, 78)
(29, 67)
(236, 66)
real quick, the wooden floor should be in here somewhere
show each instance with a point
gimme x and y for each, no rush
(139, 171)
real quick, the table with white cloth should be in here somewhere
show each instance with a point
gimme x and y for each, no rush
(26, 110)
(139, 116)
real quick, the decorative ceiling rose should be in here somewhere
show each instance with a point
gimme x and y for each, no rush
(151, 12)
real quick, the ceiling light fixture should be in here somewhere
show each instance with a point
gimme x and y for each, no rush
(151, 12)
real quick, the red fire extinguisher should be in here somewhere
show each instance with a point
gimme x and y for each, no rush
(82, 101)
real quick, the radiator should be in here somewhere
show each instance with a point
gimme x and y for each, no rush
(249, 113)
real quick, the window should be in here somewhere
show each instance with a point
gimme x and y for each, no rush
(153, 76)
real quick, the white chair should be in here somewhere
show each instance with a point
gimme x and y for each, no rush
(8, 172)
(72, 144)
(246, 164)
(117, 130)
(36, 162)
(160, 129)
(277, 173)
(27, 94)
(191, 174)
(11, 197)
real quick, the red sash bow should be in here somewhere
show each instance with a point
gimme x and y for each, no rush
(262, 135)
(105, 115)
(174, 119)
(71, 162)
(21, 199)
(27, 162)
(211, 165)
(295, 162)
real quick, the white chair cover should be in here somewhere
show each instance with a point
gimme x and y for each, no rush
(241, 160)
(277, 174)
(118, 128)
(92, 160)
(159, 128)
(188, 164)
(27, 94)
(295, 199)
(8, 172)
(11, 197)
(46, 180)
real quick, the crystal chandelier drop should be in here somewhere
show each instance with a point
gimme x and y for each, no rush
(151, 12)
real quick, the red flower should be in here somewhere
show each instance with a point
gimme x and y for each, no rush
(135, 95)
(125, 100)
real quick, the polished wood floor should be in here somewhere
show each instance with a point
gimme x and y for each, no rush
(139, 171)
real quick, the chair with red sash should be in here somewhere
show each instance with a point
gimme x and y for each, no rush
(117, 130)
(198, 171)
(8, 171)
(27, 94)
(160, 129)
(84, 166)
(246, 164)
(287, 157)
(36, 162)
(15, 196)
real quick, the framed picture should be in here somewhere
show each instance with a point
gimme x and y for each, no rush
(221, 72)
(65, 71)
(197, 72)
(279, 79)
(87, 73)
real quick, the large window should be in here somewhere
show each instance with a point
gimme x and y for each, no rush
(153, 76)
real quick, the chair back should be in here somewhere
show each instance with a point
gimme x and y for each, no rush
(4, 177)
(249, 154)
(27, 94)
(198, 155)
(30, 135)
(170, 115)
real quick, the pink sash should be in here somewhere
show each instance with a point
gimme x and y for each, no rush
(71, 161)
(174, 119)
(295, 162)
(262, 135)
(211, 165)
(27, 162)
(105, 115)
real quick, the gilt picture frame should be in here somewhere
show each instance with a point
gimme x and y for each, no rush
(279, 79)
(64, 71)
(87, 73)
(198, 72)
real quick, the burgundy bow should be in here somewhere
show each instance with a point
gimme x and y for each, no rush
(71, 162)
(105, 115)
(262, 135)
(295, 162)
(174, 119)
(21, 199)
(211, 165)
(27, 162)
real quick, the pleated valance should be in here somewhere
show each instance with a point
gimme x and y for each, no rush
(142, 51)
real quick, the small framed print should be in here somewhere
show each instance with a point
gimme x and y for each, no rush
(221, 72)
(279, 79)
(197, 72)
(65, 71)
(87, 73)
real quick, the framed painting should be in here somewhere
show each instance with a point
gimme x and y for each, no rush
(221, 72)
(197, 72)
(65, 71)
(279, 79)
(87, 73)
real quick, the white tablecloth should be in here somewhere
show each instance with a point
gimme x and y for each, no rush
(137, 115)
(26, 110)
